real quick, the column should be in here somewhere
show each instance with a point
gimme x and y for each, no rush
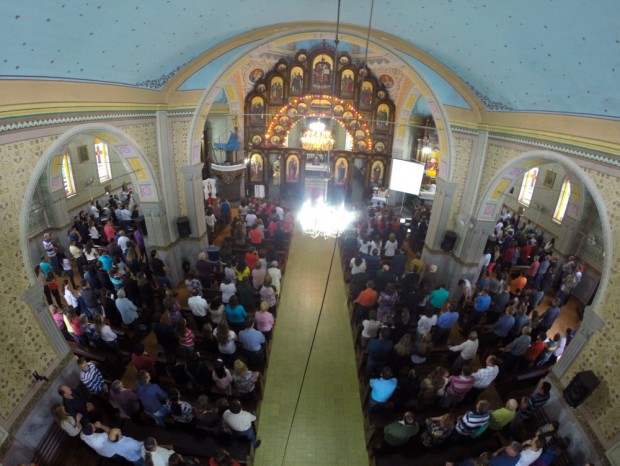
(444, 196)
(58, 211)
(158, 226)
(194, 194)
(33, 297)
(591, 324)
(474, 175)
(473, 239)
(167, 170)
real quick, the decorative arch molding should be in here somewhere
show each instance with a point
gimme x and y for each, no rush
(492, 200)
(129, 152)
(349, 33)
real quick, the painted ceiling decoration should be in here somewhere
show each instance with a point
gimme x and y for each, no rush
(557, 56)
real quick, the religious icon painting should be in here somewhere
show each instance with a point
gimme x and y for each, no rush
(338, 109)
(257, 139)
(387, 81)
(366, 95)
(284, 120)
(261, 88)
(361, 145)
(292, 168)
(275, 140)
(256, 74)
(278, 129)
(360, 134)
(382, 94)
(296, 81)
(322, 67)
(292, 112)
(302, 57)
(302, 108)
(376, 173)
(347, 115)
(344, 60)
(347, 84)
(276, 90)
(341, 171)
(382, 117)
(257, 110)
(355, 124)
(256, 168)
(281, 67)
(379, 147)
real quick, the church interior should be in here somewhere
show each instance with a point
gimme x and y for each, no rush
(499, 107)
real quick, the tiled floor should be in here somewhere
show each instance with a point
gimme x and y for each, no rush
(311, 413)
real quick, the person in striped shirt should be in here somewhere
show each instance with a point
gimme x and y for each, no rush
(91, 377)
(469, 423)
(458, 387)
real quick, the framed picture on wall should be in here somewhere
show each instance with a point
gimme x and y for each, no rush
(549, 180)
(82, 153)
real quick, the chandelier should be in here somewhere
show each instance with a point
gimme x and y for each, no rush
(322, 220)
(317, 138)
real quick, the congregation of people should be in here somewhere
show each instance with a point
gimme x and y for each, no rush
(112, 297)
(458, 372)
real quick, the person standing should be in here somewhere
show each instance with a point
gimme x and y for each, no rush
(153, 398)
(240, 422)
(467, 352)
(484, 377)
(531, 404)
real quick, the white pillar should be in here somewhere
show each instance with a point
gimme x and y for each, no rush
(444, 196)
(165, 156)
(194, 193)
(158, 225)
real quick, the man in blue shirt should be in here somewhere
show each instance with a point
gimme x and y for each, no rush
(446, 321)
(252, 342)
(381, 389)
(549, 316)
(508, 456)
(225, 209)
(482, 302)
(378, 350)
(126, 447)
(91, 378)
(152, 398)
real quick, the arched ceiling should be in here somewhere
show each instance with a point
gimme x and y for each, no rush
(516, 55)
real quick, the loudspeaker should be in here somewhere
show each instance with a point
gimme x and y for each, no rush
(183, 226)
(449, 240)
(580, 388)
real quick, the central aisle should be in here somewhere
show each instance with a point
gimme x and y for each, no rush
(312, 416)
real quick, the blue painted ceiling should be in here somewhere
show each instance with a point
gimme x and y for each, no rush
(523, 55)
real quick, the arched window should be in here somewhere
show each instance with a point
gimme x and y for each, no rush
(560, 208)
(527, 187)
(103, 161)
(67, 176)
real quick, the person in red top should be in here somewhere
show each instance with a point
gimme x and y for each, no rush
(508, 256)
(109, 230)
(256, 236)
(364, 302)
(526, 252)
(251, 258)
(143, 360)
(222, 458)
(532, 270)
(532, 353)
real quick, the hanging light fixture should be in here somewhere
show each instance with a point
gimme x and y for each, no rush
(317, 138)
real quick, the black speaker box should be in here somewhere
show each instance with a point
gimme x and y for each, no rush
(580, 388)
(140, 224)
(449, 240)
(183, 226)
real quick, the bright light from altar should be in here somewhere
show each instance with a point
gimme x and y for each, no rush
(317, 138)
(324, 220)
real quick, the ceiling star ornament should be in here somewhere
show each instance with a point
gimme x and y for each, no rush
(317, 138)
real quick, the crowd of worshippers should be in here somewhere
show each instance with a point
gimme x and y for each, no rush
(403, 315)
(215, 346)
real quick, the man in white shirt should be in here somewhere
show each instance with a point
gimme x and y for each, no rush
(279, 212)
(199, 307)
(123, 242)
(483, 378)
(228, 289)
(465, 298)
(276, 276)
(468, 350)
(250, 219)
(240, 422)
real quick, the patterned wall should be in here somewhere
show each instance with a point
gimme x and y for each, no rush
(24, 343)
(461, 153)
(145, 136)
(602, 352)
(180, 135)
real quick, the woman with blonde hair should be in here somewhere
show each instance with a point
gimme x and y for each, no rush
(244, 380)
(69, 424)
(402, 351)
(422, 349)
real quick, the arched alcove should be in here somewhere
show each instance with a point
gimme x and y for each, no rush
(129, 154)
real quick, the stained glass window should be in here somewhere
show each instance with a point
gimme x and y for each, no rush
(527, 187)
(103, 161)
(67, 176)
(560, 208)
